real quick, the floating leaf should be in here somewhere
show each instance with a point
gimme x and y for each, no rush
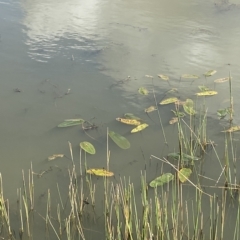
(139, 128)
(206, 93)
(150, 109)
(189, 76)
(221, 80)
(203, 88)
(100, 172)
(210, 73)
(121, 141)
(173, 120)
(178, 114)
(131, 116)
(71, 122)
(168, 100)
(88, 147)
(163, 77)
(129, 121)
(184, 174)
(54, 156)
(188, 107)
(159, 181)
(143, 91)
(172, 90)
(185, 157)
(222, 113)
(232, 129)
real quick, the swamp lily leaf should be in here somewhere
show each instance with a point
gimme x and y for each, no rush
(210, 73)
(232, 129)
(163, 179)
(71, 122)
(163, 77)
(221, 80)
(150, 109)
(207, 93)
(188, 107)
(203, 88)
(173, 120)
(189, 76)
(131, 116)
(88, 147)
(121, 141)
(100, 172)
(186, 157)
(129, 121)
(184, 174)
(168, 101)
(139, 128)
(143, 91)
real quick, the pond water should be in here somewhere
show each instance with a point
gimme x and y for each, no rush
(87, 59)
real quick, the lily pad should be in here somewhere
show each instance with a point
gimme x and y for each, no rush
(186, 157)
(131, 116)
(168, 101)
(210, 73)
(188, 107)
(121, 141)
(150, 109)
(221, 80)
(139, 128)
(100, 172)
(129, 121)
(189, 76)
(71, 122)
(163, 77)
(88, 147)
(184, 174)
(163, 179)
(143, 91)
(207, 93)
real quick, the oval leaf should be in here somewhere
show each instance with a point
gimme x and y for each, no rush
(121, 141)
(88, 147)
(189, 76)
(221, 80)
(206, 93)
(184, 174)
(210, 73)
(71, 122)
(150, 109)
(131, 116)
(186, 157)
(139, 128)
(143, 91)
(163, 77)
(129, 121)
(100, 172)
(159, 181)
(168, 101)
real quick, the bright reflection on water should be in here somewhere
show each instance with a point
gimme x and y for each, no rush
(92, 47)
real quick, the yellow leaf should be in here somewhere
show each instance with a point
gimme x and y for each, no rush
(129, 121)
(206, 93)
(163, 77)
(100, 172)
(232, 129)
(168, 100)
(143, 91)
(184, 174)
(139, 128)
(150, 109)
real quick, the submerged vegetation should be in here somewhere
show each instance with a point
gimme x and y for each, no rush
(170, 206)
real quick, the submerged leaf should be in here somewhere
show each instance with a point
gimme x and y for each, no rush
(206, 93)
(139, 128)
(232, 129)
(221, 80)
(131, 116)
(129, 121)
(189, 76)
(184, 174)
(143, 91)
(163, 77)
(188, 107)
(88, 147)
(150, 109)
(100, 172)
(210, 73)
(71, 122)
(168, 101)
(121, 141)
(159, 181)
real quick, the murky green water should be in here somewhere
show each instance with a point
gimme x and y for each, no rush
(92, 47)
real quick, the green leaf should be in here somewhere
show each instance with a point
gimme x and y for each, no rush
(131, 116)
(189, 76)
(178, 114)
(206, 93)
(163, 179)
(186, 157)
(203, 88)
(222, 113)
(184, 174)
(121, 141)
(88, 147)
(163, 77)
(100, 172)
(150, 109)
(210, 73)
(139, 128)
(188, 107)
(143, 91)
(168, 101)
(71, 122)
